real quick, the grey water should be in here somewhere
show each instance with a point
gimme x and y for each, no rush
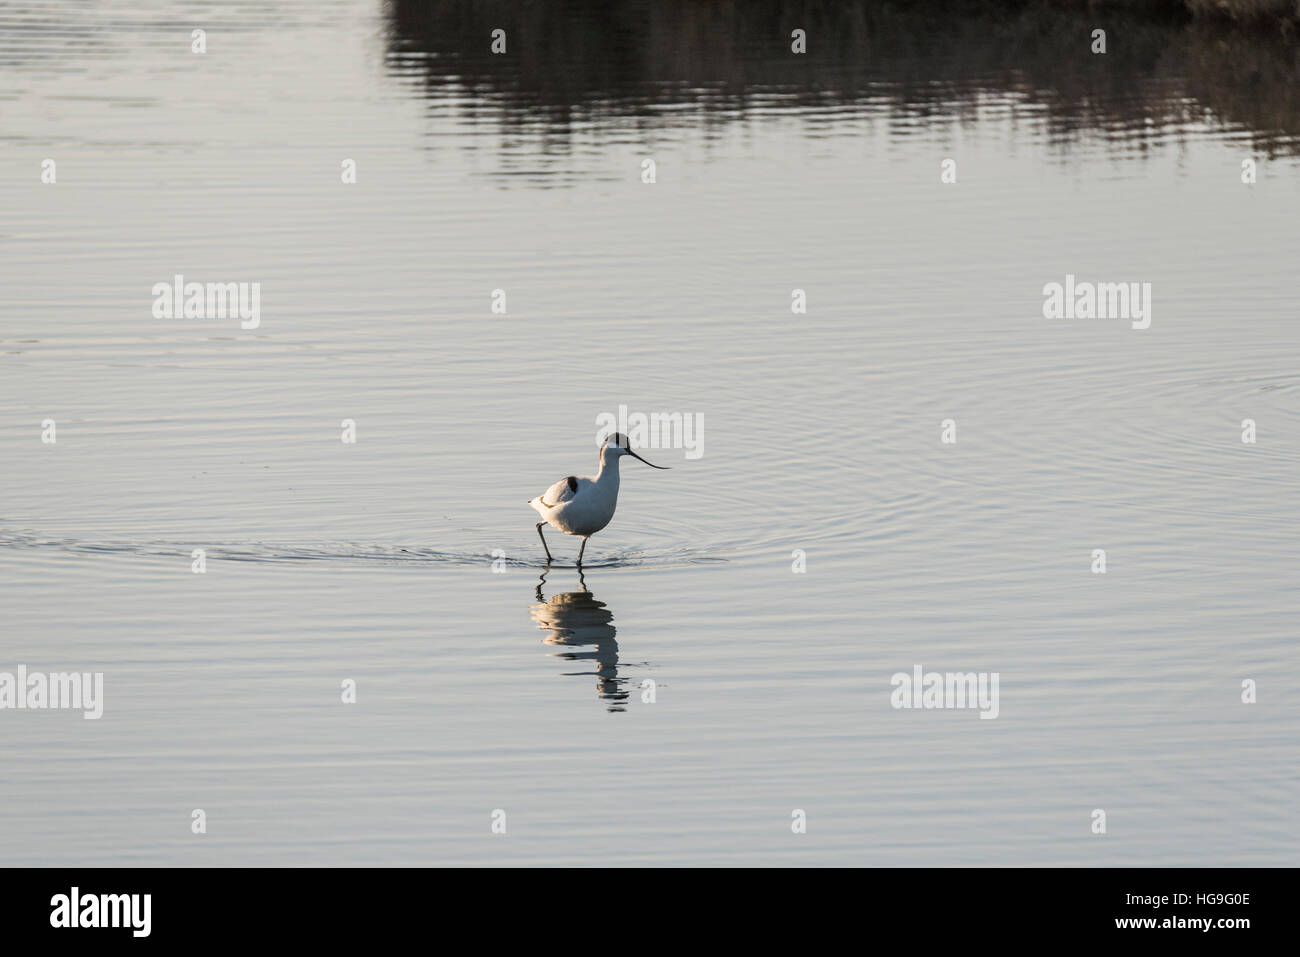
(725, 657)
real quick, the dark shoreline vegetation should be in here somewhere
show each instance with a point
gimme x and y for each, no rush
(657, 63)
(1281, 12)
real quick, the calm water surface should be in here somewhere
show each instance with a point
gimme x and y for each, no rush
(480, 690)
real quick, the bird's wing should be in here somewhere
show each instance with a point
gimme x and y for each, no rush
(560, 492)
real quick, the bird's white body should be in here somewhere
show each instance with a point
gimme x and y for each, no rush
(583, 505)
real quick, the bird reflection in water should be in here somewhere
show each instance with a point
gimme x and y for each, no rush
(583, 628)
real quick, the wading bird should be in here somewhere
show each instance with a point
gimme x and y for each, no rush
(583, 504)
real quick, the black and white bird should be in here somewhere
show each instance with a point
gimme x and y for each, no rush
(584, 504)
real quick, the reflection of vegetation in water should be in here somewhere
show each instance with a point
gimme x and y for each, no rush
(618, 62)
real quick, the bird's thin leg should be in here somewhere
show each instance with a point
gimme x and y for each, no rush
(581, 550)
(543, 538)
